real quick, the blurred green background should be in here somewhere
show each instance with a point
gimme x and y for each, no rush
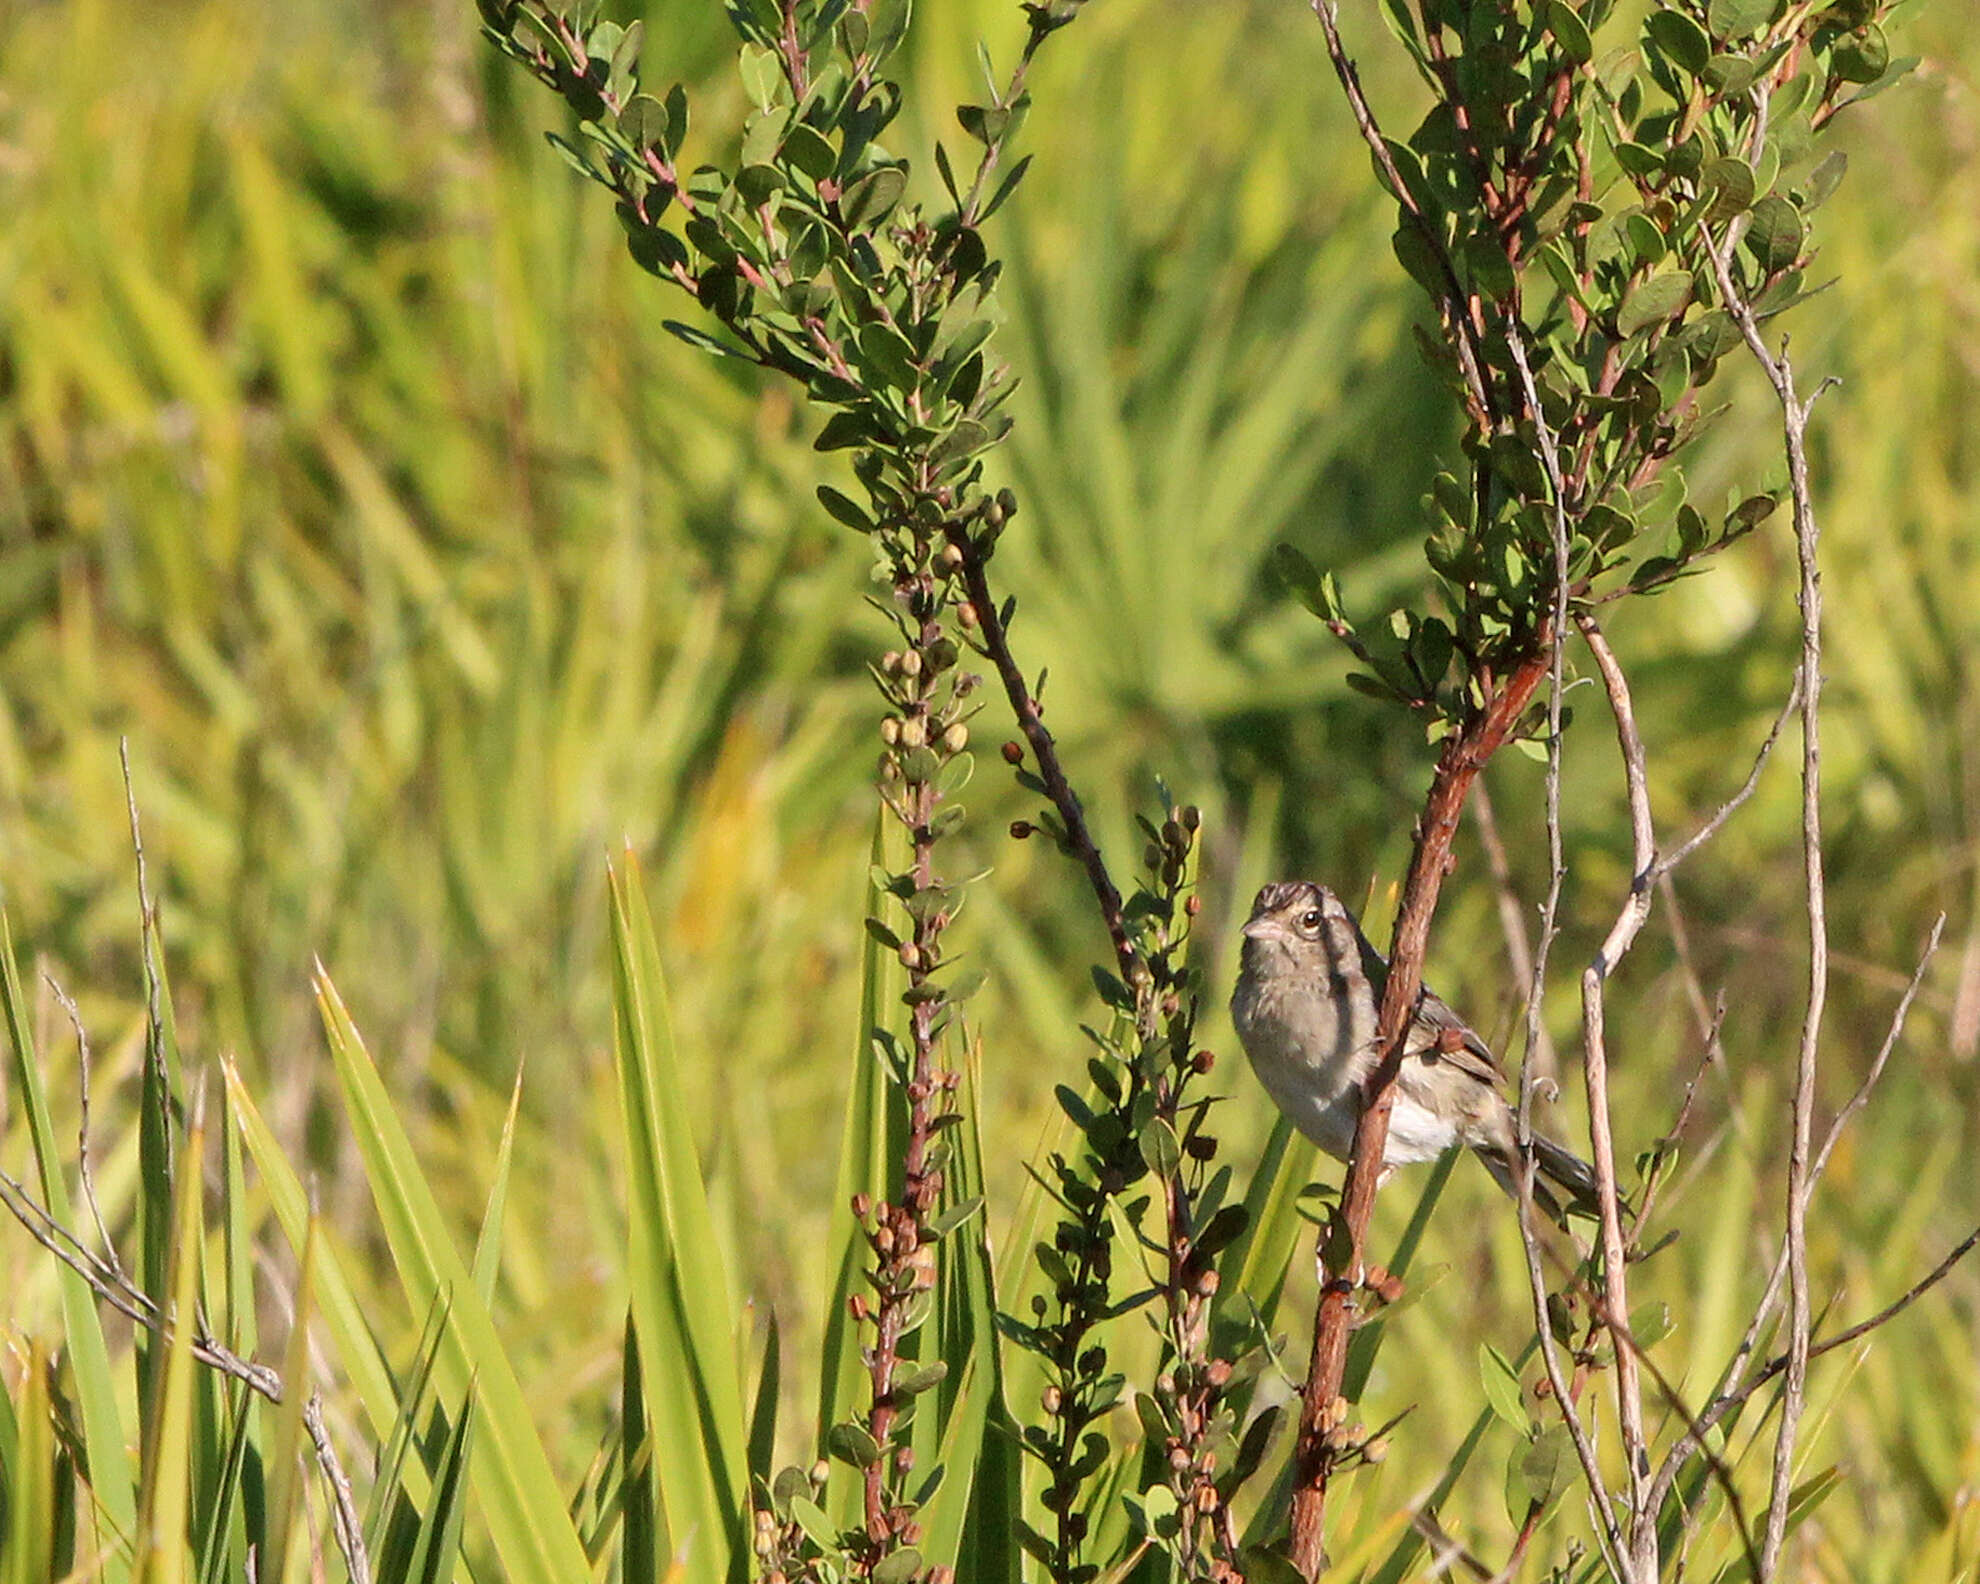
(346, 471)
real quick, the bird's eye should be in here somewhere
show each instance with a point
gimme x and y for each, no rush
(1310, 920)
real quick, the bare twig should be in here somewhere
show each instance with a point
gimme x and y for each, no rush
(1707, 1056)
(1734, 1387)
(1512, 922)
(1702, 1011)
(1794, 428)
(1731, 806)
(116, 1289)
(1938, 1273)
(1610, 1536)
(1643, 1560)
(1464, 329)
(88, 1178)
(343, 1506)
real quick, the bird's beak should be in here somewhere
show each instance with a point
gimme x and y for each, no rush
(1260, 929)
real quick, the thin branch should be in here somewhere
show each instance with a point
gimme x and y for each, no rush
(1464, 331)
(1731, 806)
(1707, 1057)
(1807, 535)
(1938, 1273)
(1030, 715)
(1610, 1535)
(116, 1290)
(1892, 1033)
(1701, 1010)
(1733, 1388)
(1512, 917)
(88, 1177)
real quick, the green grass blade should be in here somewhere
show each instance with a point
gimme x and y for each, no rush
(681, 1301)
(285, 1462)
(27, 1547)
(871, 1147)
(972, 1516)
(440, 1533)
(488, 1245)
(164, 1495)
(532, 1533)
(1254, 1267)
(89, 1356)
(1367, 1341)
(337, 1302)
(643, 1532)
(763, 1415)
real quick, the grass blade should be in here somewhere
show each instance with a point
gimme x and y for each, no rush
(532, 1533)
(681, 1301)
(89, 1356)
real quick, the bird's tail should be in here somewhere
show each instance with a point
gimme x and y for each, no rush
(1555, 1167)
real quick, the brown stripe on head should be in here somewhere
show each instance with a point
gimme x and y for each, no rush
(1283, 894)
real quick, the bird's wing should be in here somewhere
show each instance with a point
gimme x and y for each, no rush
(1469, 1053)
(1435, 1018)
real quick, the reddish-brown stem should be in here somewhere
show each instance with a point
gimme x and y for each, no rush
(1466, 752)
(996, 644)
(902, 1270)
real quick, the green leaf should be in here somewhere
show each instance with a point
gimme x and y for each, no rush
(704, 341)
(852, 1443)
(1536, 1471)
(809, 152)
(1491, 272)
(1863, 56)
(987, 124)
(912, 1382)
(1775, 233)
(1676, 38)
(164, 1496)
(644, 124)
(488, 1242)
(763, 1413)
(1655, 300)
(897, 1567)
(757, 184)
(1645, 240)
(1502, 1389)
(762, 75)
(842, 430)
(1735, 19)
(1823, 179)
(1570, 32)
(812, 1520)
(869, 200)
(1650, 1323)
(844, 510)
(1160, 1148)
(438, 1545)
(1419, 259)
(1640, 160)
(1729, 182)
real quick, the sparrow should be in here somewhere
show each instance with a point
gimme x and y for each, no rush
(1308, 991)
